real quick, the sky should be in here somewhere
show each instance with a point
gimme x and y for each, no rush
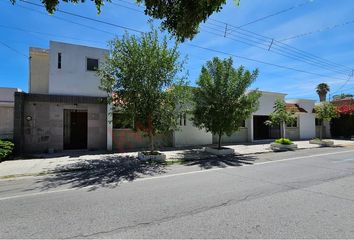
(294, 44)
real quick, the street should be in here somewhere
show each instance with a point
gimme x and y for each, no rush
(302, 194)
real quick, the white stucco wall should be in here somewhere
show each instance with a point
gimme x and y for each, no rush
(306, 120)
(190, 135)
(266, 102)
(307, 125)
(73, 78)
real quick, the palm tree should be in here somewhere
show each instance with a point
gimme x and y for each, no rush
(322, 89)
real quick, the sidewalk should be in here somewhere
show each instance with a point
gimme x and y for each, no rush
(48, 163)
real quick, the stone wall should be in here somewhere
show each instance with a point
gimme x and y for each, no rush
(39, 121)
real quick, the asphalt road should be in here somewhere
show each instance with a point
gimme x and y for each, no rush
(301, 194)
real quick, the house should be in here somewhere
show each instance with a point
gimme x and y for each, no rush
(65, 109)
(7, 103)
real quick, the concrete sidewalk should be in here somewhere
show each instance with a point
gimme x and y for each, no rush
(47, 163)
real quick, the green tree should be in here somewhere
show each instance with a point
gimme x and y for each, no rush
(325, 111)
(281, 117)
(322, 89)
(221, 101)
(180, 17)
(144, 78)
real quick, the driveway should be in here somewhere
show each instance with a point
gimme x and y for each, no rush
(303, 194)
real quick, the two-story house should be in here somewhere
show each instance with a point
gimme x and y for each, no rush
(65, 109)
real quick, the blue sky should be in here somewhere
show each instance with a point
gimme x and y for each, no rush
(23, 26)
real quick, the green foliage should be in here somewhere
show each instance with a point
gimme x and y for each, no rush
(280, 116)
(142, 78)
(322, 89)
(285, 141)
(325, 111)
(180, 17)
(221, 101)
(6, 148)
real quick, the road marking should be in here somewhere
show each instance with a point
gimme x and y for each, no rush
(180, 174)
(344, 160)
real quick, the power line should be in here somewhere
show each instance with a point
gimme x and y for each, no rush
(317, 31)
(208, 49)
(345, 83)
(87, 18)
(67, 20)
(284, 45)
(14, 50)
(279, 51)
(281, 48)
(274, 14)
(260, 61)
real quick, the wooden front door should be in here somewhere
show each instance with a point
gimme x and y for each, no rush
(75, 129)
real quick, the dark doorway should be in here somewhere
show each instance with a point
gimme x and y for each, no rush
(75, 129)
(262, 131)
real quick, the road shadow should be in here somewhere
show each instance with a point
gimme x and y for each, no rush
(104, 172)
(206, 161)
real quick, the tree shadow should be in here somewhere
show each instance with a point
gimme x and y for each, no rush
(105, 172)
(207, 161)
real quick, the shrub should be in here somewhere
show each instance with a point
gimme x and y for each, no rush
(6, 148)
(285, 141)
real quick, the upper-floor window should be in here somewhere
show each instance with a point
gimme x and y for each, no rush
(59, 60)
(91, 64)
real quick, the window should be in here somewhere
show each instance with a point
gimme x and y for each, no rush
(122, 121)
(243, 123)
(293, 124)
(59, 60)
(91, 64)
(318, 122)
(183, 119)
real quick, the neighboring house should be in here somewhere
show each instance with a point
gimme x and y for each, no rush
(7, 102)
(344, 125)
(65, 109)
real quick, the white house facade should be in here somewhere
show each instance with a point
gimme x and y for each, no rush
(65, 109)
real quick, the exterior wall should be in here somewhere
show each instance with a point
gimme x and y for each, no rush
(127, 139)
(6, 122)
(292, 133)
(306, 120)
(266, 102)
(39, 71)
(39, 122)
(237, 137)
(73, 78)
(190, 135)
(307, 125)
(7, 100)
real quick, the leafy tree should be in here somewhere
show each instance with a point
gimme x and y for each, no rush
(280, 116)
(180, 17)
(142, 76)
(325, 111)
(322, 89)
(221, 101)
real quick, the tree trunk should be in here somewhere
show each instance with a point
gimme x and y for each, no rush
(282, 129)
(219, 141)
(321, 130)
(151, 141)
